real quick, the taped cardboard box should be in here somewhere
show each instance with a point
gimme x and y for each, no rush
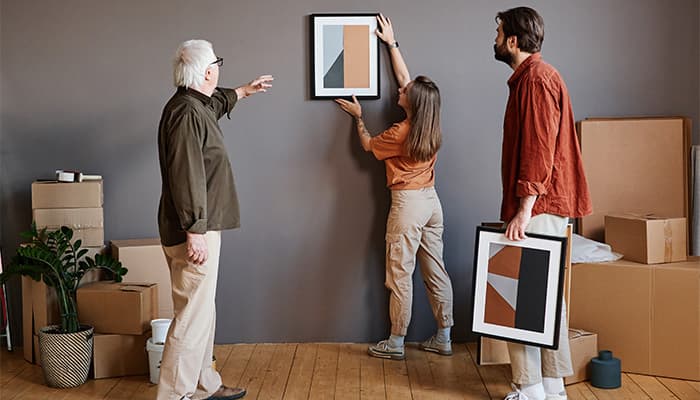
(119, 355)
(67, 195)
(648, 239)
(87, 223)
(650, 158)
(146, 263)
(648, 315)
(584, 346)
(120, 308)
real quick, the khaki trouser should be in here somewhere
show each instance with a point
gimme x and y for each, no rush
(187, 357)
(530, 363)
(414, 228)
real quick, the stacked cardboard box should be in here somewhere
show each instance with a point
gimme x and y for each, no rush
(647, 314)
(645, 308)
(121, 315)
(54, 204)
(648, 239)
(146, 263)
(635, 165)
(75, 205)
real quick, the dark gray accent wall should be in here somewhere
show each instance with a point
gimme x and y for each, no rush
(83, 84)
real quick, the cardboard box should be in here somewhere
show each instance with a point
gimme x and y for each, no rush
(67, 195)
(648, 239)
(122, 308)
(584, 346)
(45, 310)
(648, 315)
(650, 158)
(145, 260)
(492, 351)
(119, 355)
(37, 350)
(87, 223)
(27, 319)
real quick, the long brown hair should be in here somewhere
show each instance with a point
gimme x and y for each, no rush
(425, 136)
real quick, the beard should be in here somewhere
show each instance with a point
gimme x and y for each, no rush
(501, 53)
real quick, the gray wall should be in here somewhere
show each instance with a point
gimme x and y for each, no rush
(83, 84)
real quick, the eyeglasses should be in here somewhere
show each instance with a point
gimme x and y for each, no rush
(219, 61)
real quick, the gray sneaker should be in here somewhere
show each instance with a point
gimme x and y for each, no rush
(383, 350)
(444, 349)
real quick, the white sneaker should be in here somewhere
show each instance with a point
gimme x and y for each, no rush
(516, 394)
(556, 396)
(384, 350)
(444, 349)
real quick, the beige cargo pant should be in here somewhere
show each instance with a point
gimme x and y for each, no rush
(414, 228)
(187, 357)
(530, 363)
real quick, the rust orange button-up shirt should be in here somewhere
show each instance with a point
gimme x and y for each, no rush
(541, 154)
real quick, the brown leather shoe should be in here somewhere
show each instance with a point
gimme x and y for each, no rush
(227, 393)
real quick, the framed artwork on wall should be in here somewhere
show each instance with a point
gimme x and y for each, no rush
(344, 56)
(518, 287)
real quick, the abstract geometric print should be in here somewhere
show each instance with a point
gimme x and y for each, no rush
(346, 56)
(516, 289)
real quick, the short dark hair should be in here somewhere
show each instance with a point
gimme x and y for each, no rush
(525, 24)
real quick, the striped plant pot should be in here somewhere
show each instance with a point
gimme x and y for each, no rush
(65, 357)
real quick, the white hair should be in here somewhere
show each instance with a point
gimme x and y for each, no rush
(192, 59)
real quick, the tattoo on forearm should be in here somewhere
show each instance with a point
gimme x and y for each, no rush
(361, 127)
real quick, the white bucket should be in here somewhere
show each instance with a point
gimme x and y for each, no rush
(155, 354)
(160, 329)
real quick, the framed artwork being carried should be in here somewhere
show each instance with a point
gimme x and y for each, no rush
(518, 287)
(344, 56)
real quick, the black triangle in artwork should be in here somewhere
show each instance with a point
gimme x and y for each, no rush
(335, 78)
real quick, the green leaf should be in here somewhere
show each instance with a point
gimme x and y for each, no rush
(81, 253)
(50, 256)
(67, 232)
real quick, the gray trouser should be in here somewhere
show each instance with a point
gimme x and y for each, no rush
(414, 228)
(530, 363)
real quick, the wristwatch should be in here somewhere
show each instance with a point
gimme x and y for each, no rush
(394, 45)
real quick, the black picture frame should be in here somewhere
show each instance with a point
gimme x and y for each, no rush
(316, 77)
(537, 321)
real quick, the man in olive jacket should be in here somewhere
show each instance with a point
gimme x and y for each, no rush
(198, 201)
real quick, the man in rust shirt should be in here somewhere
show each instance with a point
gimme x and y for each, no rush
(542, 175)
(198, 201)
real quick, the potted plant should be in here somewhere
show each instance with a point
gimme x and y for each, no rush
(66, 349)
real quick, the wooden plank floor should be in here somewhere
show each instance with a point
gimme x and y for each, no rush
(336, 371)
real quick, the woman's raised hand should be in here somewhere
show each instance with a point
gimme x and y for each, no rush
(386, 33)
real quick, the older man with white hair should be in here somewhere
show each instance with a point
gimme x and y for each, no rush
(198, 201)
